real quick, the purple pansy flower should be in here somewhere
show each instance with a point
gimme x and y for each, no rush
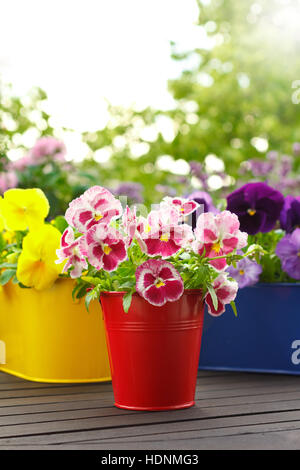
(257, 205)
(246, 273)
(132, 190)
(288, 250)
(290, 214)
(260, 167)
(204, 199)
(205, 202)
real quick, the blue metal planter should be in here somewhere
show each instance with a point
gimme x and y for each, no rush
(265, 337)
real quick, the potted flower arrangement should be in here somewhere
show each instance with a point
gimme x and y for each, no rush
(44, 334)
(265, 338)
(153, 274)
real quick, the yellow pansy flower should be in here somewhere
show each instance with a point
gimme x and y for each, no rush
(24, 208)
(36, 265)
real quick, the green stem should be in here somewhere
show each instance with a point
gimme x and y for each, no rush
(230, 256)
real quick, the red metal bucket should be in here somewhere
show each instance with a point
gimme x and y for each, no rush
(153, 351)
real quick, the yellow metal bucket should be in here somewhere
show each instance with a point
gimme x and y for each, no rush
(47, 337)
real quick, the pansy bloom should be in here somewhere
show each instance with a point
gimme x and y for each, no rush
(290, 214)
(218, 235)
(225, 291)
(69, 250)
(205, 204)
(104, 247)
(37, 262)
(288, 250)
(257, 205)
(162, 235)
(24, 208)
(96, 206)
(130, 223)
(184, 207)
(246, 272)
(158, 282)
(203, 199)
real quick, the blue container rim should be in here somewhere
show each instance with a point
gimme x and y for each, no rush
(276, 284)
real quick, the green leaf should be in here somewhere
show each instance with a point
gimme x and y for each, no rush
(214, 297)
(60, 223)
(233, 306)
(88, 298)
(8, 265)
(91, 280)
(92, 295)
(6, 276)
(127, 301)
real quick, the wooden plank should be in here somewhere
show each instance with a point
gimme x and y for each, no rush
(54, 391)
(106, 400)
(232, 409)
(206, 426)
(10, 399)
(81, 404)
(55, 415)
(287, 440)
(27, 385)
(140, 418)
(50, 407)
(197, 434)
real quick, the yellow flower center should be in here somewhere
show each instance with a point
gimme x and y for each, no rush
(251, 211)
(20, 212)
(147, 228)
(98, 217)
(159, 283)
(216, 247)
(242, 272)
(298, 254)
(107, 249)
(39, 264)
(164, 237)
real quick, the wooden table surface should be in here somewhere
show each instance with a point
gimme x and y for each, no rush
(233, 411)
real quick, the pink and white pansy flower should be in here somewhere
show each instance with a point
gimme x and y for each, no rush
(69, 250)
(158, 282)
(104, 247)
(184, 207)
(162, 234)
(225, 290)
(96, 206)
(130, 223)
(218, 235)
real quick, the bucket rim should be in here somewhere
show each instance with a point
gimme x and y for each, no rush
(275, 284)
(135, 294)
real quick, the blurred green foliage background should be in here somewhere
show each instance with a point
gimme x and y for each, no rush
(236, 99)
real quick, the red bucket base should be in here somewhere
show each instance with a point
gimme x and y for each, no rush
(153, 351)
(162, 408)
